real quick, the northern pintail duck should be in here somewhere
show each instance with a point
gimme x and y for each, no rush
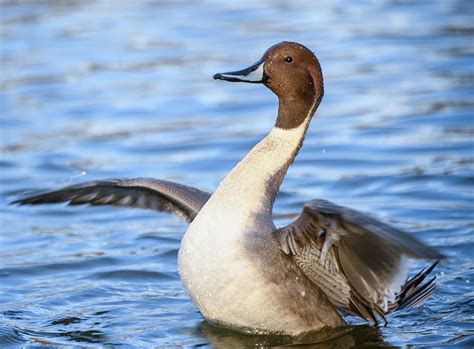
(238, 267)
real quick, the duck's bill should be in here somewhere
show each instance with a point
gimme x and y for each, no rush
(253, 74)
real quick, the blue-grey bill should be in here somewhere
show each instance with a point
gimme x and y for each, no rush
(252, 74)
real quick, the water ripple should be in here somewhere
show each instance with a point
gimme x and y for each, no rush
(106, 89)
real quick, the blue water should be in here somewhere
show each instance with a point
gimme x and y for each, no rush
(106, 89)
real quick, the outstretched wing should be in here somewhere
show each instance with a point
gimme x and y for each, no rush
(359, 262)
(146, 193)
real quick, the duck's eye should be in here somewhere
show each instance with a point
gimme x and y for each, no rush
(289, 59)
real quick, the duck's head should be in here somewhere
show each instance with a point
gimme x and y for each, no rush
(291, 71)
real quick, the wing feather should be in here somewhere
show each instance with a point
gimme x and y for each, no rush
(359, 262)
(154, 194)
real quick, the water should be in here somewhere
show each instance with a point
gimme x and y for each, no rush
(104, 89)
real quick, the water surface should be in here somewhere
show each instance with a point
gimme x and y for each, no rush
(106, 89)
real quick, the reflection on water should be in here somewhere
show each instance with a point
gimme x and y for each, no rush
(101, 89)
(347, 337)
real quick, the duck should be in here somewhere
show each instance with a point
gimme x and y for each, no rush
(238, 267)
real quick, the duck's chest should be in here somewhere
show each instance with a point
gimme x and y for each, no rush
(214, 250)
(240, 210)
(214, 261)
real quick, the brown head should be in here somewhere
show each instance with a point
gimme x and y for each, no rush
(293, 73)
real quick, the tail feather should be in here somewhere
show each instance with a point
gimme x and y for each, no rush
(418, 298)
(414, 292)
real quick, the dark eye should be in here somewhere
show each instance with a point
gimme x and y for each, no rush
(289, 59)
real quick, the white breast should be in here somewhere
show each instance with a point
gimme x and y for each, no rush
(213, 260)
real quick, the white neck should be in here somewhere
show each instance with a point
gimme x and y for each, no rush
(251, 187)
